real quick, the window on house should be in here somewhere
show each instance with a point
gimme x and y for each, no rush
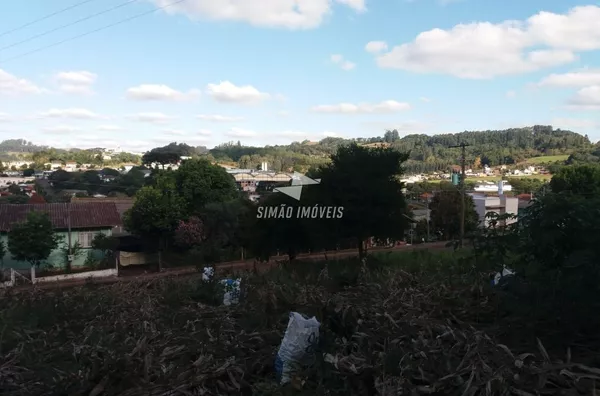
(86, 238)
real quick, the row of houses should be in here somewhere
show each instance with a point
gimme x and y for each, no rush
(69, 166)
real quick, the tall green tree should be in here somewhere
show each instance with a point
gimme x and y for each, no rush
(199, 183)
(272, 234)
(15, 189)
(33, 240)
(365, 183)
(577, 179)
(156, 212)
(556, 253)
(445, 214)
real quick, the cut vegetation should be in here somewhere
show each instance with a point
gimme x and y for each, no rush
(387, 330)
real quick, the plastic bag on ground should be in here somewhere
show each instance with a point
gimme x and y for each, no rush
(232, 291)
(505, 272)
(297, 346)
(208, 273)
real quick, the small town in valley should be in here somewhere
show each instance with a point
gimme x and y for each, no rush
(308, 197)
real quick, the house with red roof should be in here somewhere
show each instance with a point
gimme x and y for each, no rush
(83, 221)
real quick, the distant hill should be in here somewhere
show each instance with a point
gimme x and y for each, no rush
(19, 146)
(426, 153)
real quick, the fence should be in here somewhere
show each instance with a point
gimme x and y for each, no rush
(12, 278)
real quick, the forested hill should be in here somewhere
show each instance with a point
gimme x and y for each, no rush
(19, 146)
(427, 153)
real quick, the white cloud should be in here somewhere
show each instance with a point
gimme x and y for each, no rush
(226, 91)
(76, 82)
(218, 118)
(446, 2)
(297, 14)
(204, 132)
(283, 113)
(239, 132)
(388, 106)
(336, 58)
(375, 47)
(155, 118)
(75, 113)
(574, 123)
(159, 92)
(347, 65)
(587, 98)
(279, 97)
(292, 134)
(424, 99)
(358, 5)
(199, 140)
(61, 129)
(174, 132)
(343, 63)
(484, 50)
(5, 117)
(511, 94)
(12, 85)
(109, 128)
(581, 78)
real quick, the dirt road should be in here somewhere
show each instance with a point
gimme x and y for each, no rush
(235, 265)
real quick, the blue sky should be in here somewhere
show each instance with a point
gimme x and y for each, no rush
(207, 71)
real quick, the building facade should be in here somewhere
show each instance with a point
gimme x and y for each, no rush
(500, 205)
(81, 221)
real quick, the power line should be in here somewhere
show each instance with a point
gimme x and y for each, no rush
(93, 31)
(67, 25)
(45, 17)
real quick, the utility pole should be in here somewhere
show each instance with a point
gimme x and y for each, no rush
(462, 191)
(428, 216)
(70, 253)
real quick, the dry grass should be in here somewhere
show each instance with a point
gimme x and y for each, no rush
(384, 332)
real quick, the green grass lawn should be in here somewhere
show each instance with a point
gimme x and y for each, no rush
(547, 159)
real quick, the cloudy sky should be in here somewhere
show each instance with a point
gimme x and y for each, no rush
(273, 71)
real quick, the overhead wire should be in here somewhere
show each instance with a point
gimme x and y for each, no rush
(44, 18)
(92, 31)
(106, 11)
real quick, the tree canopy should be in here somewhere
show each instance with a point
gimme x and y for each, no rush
(363, 182)
(582, 179)
(157, 209)
(199, 183)
(445, 215)
(33, 240)
(171, 154)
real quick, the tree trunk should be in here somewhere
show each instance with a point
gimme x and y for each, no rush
(160, 249)
(361, 249)
(292, 254)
